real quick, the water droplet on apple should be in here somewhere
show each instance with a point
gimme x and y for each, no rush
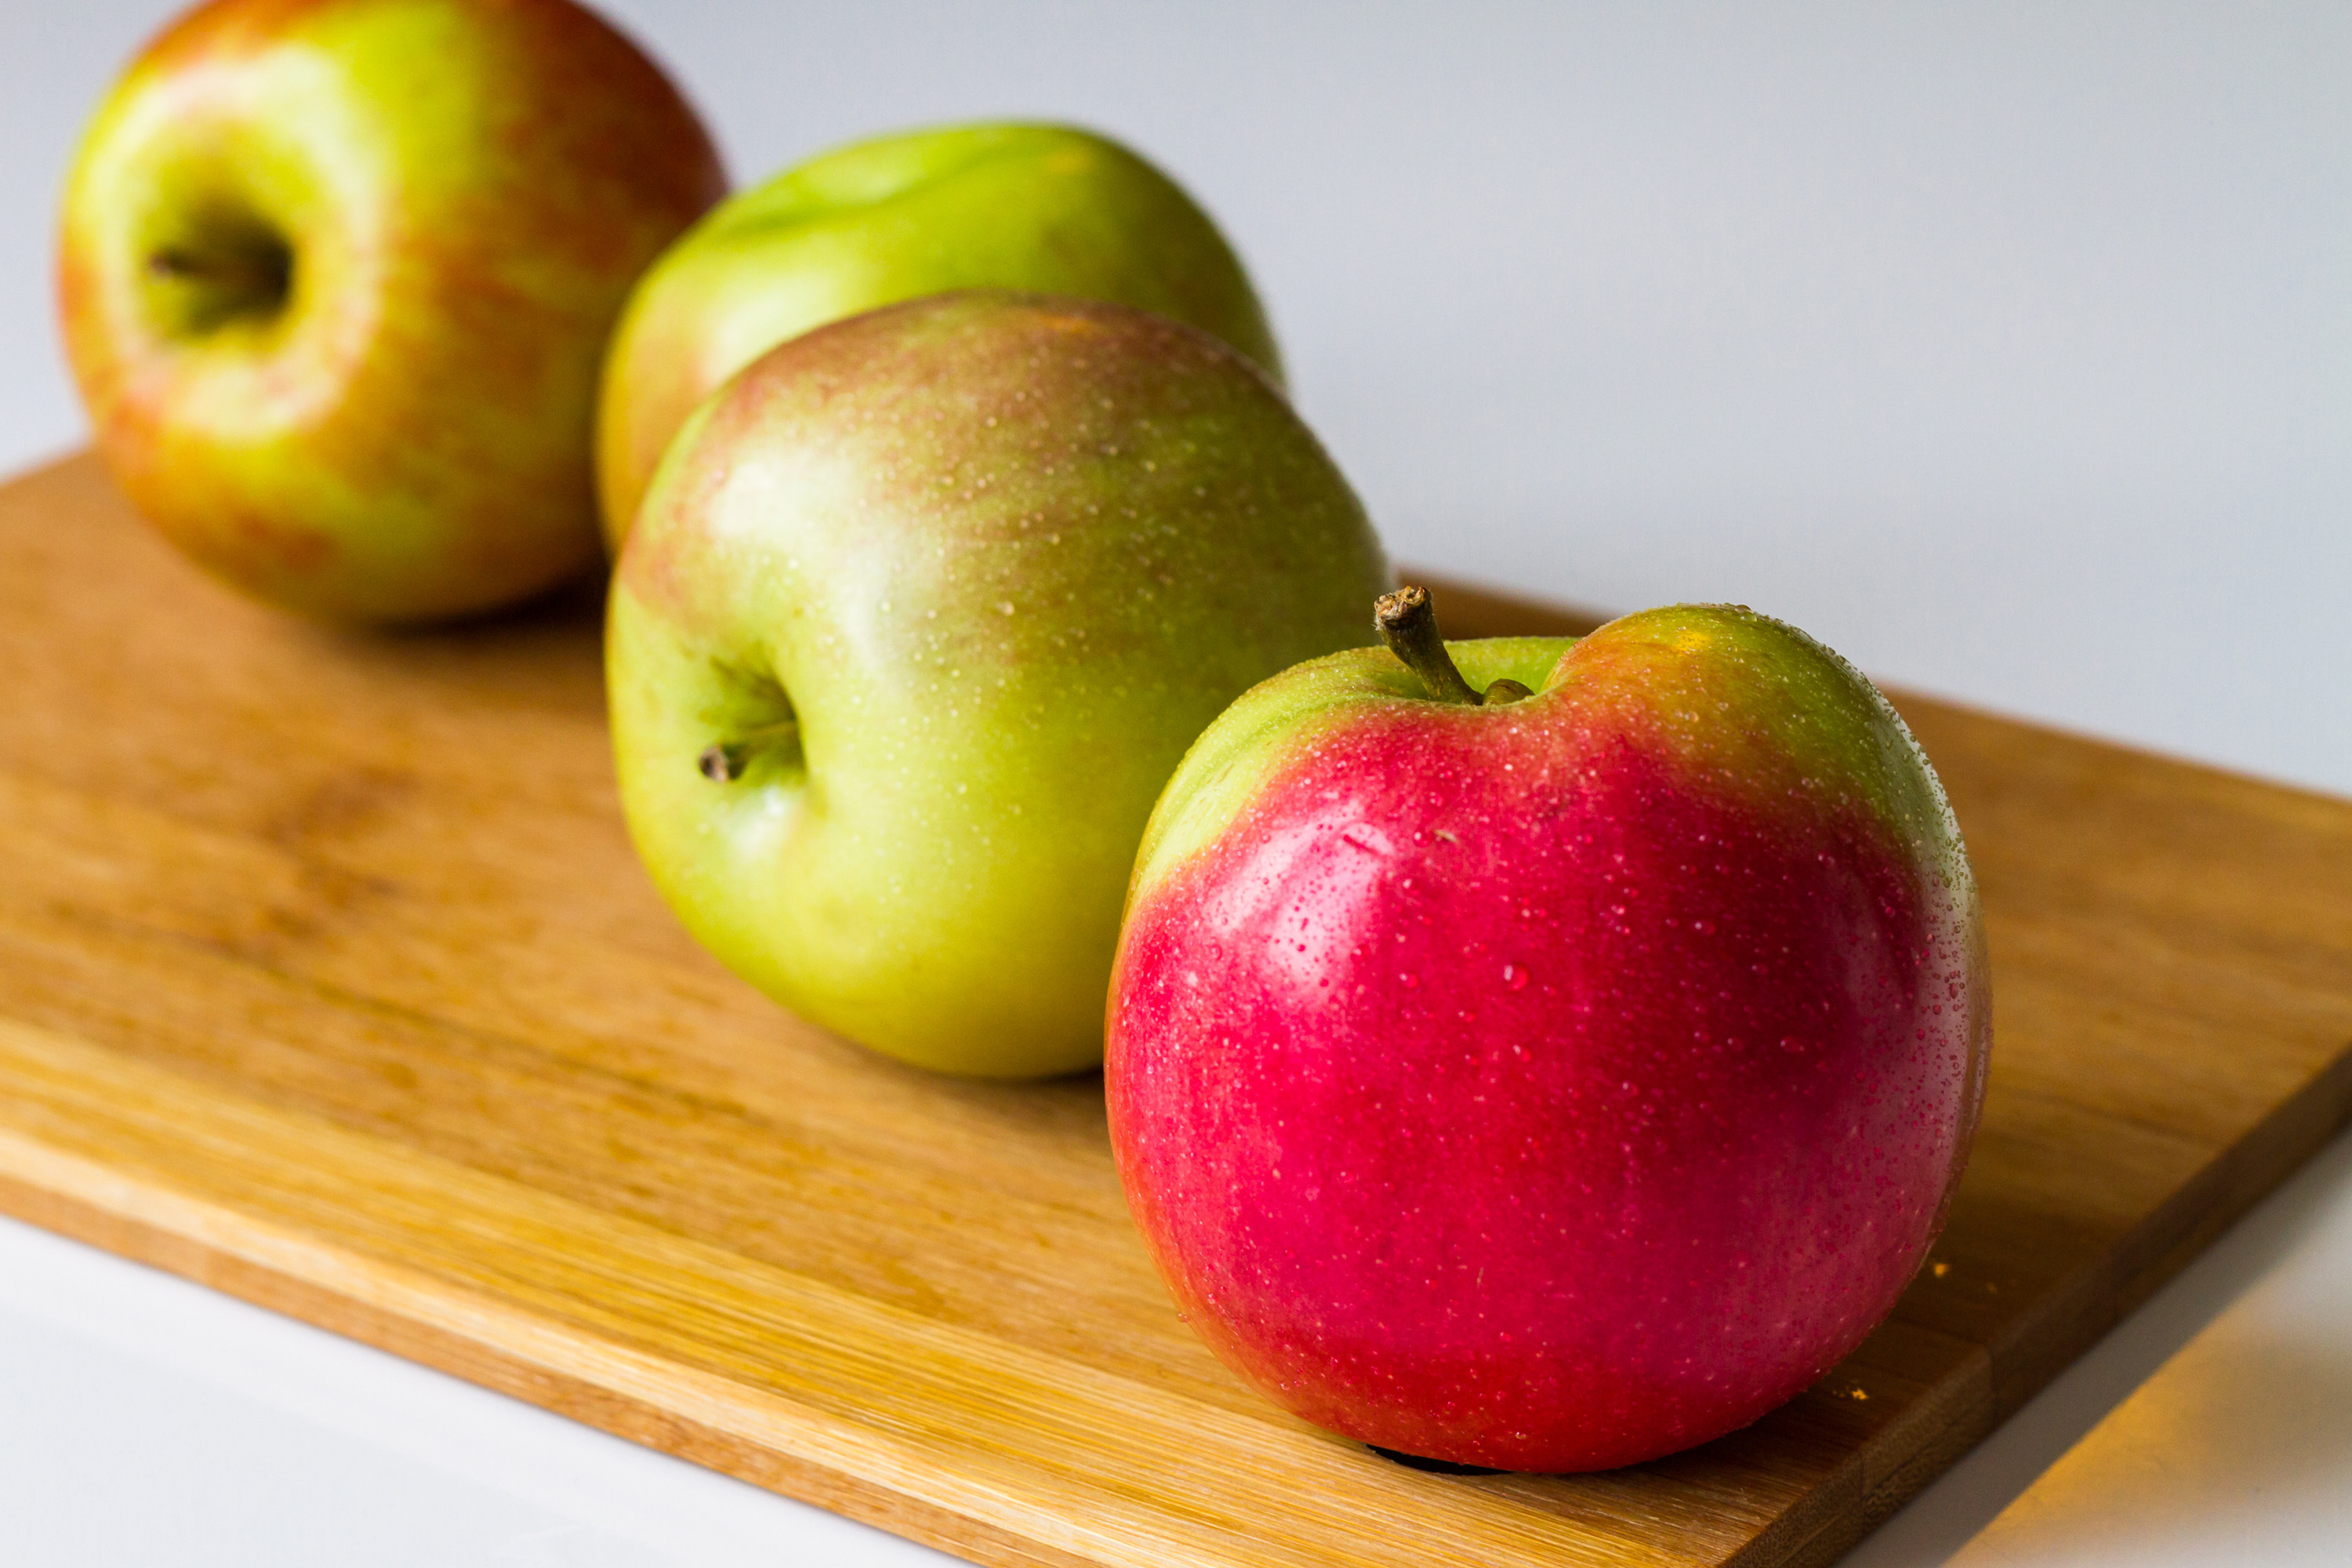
(1515, 977)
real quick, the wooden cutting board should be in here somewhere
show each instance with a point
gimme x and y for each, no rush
(326, 978)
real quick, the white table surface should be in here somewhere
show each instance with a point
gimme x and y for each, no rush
(2007, 348)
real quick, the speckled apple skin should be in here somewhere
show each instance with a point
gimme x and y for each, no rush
(1557, 1085)
(1004, 556)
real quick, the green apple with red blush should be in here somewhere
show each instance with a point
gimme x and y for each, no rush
(336, 278)
(921, 611)
(1050, 209)
(1544, 1055)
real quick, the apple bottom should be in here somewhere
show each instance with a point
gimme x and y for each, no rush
(1557, 1140)
(1599, 1363)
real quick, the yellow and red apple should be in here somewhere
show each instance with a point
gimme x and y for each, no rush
(336, 278)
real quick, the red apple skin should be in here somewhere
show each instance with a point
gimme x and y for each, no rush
(1557, 1085)
(465, 191)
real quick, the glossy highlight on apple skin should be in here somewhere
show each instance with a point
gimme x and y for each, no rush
(1556, 1086)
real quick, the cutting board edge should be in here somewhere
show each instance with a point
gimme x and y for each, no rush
(485, 1364)
(2058, 1332)
(2232, 1182)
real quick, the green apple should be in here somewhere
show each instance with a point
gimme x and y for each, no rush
(1041, 208)
(921, 612)
(336, 278)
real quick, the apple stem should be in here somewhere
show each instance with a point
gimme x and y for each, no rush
(723, 761)
(256, 278)
(1407, 622)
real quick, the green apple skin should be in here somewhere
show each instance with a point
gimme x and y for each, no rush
(999, 557)
(1044, 208)
(336, 278)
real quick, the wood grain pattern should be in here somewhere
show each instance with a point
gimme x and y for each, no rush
(326, 978)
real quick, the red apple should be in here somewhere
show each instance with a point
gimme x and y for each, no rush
(1548, 1083)
(336, 278)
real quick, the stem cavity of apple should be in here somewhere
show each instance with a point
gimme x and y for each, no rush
(1407, 622)
(223, 270)
(723, 761)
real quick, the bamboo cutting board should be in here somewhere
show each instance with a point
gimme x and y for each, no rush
(326, 978)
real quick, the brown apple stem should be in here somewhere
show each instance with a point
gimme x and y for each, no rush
(239, 275)
(1407, 622)
(723, 761)
(253, 273)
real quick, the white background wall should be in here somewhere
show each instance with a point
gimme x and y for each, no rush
(2006, 347)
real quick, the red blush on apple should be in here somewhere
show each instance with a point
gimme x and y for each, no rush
(1513, 1086)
